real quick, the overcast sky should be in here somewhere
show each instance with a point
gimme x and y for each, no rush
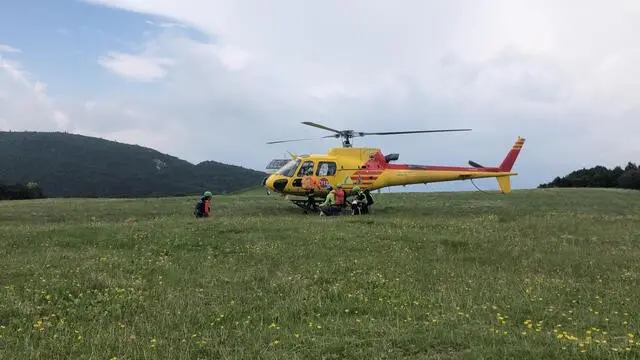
(215, 80)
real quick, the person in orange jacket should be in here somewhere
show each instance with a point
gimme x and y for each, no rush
(308, 181)
(310, 185)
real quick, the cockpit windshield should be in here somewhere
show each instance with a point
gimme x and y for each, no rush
(289, 168)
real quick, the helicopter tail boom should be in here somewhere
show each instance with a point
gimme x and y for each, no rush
(405, 174)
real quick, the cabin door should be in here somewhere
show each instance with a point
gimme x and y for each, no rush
(297, 181)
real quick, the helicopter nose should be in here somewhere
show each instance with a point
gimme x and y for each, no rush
(275, 183)
(268, 187)
(268, 182)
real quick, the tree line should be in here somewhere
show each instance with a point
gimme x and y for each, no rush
(27, 191)
(600, 177)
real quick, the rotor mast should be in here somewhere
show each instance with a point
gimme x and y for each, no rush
(346, 136)
(345, 142)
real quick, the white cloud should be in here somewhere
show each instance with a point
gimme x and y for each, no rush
(135, 67)
(504, 68)
(166, 24)
(564, 75)
(9, 49)
(61, 119)
(24, 102)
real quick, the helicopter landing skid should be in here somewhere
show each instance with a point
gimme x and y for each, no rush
(307, 204)
(312, 206)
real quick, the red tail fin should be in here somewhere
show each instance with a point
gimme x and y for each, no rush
(511, 157)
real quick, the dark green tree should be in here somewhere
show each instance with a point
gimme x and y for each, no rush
(20, 191)
(630, 179)
(599, 177)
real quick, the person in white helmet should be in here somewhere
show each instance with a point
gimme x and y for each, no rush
(203, 207)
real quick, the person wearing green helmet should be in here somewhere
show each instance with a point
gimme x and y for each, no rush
(329, 206)
(334, 202)
(203, 207)
(359, 204)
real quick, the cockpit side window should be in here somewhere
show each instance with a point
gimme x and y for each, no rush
(290, 168)
(307, 165)
(326, 168)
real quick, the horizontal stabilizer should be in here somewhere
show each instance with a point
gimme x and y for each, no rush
(475, 164)
(392, 157)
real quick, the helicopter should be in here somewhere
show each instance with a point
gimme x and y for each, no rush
(370, 169)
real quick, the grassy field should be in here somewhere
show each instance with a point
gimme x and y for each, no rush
(541, 274)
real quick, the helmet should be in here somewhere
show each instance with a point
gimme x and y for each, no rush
(356, 188)
(208, 194)
(339, 185)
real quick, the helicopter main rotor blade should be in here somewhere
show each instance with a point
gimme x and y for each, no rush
(409, 132)
(321, 127)
(284, 141)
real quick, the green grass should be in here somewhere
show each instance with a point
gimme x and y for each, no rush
(250, 192)
(541, 274)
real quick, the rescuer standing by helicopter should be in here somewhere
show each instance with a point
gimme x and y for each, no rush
(310, 184)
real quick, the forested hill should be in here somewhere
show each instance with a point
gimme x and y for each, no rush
(601, 177)
(69, 165)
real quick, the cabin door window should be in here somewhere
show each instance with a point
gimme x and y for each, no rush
(326, 168)
(307, 165)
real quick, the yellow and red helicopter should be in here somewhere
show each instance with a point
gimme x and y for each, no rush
(370, 169)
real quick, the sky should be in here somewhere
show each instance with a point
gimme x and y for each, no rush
(215, 80)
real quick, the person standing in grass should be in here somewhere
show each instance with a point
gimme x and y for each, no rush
(203, 207)
(310, 185)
